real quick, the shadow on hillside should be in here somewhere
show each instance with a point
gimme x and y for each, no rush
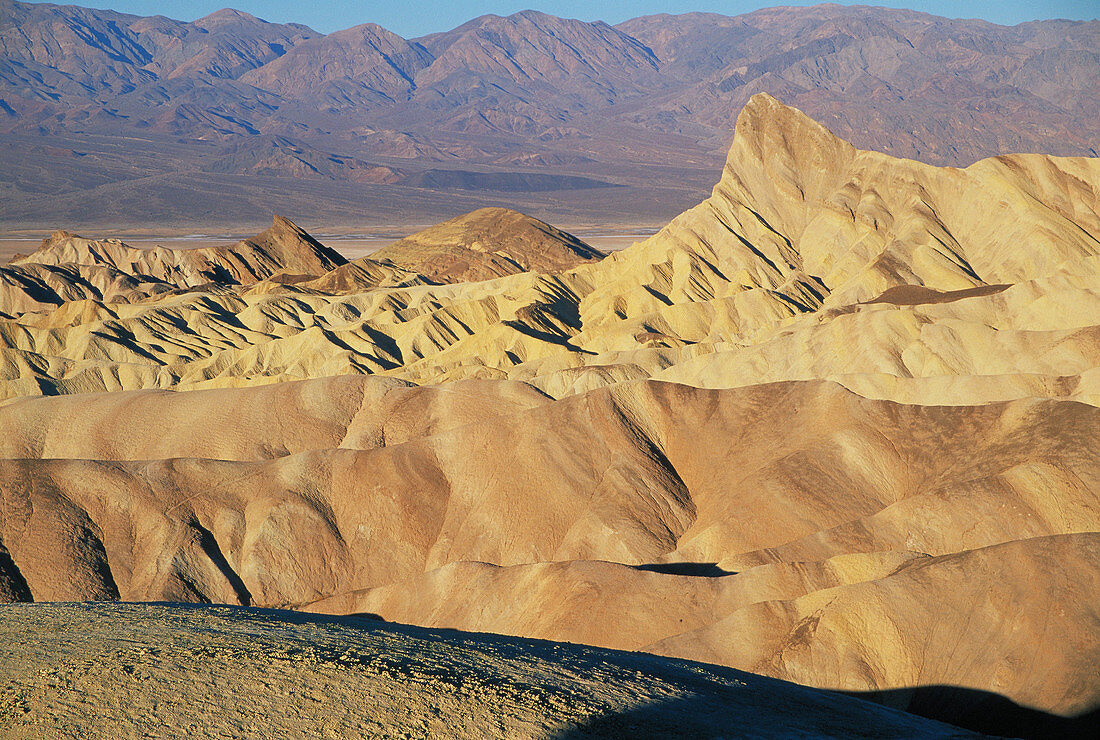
(986, 712)
(967, 709)
(699, 570)
(970, 709)
(275, 615)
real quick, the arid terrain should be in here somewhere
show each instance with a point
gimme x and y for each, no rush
(160, 670)
(833, 425)
(115, 121)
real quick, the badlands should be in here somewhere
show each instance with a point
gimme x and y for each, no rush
(836, 425)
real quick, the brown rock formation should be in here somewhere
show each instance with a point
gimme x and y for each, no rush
(487, 243)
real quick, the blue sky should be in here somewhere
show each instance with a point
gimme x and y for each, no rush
(419, 17)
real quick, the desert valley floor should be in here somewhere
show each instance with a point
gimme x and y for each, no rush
(835, 425)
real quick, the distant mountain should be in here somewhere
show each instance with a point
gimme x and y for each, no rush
(572, 66)
(100, 52)
(154, 105)
(908, 83)
(357, 66)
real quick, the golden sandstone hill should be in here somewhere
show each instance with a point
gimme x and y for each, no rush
(485, 244)
(834, 425)
(480, 245)
(68, 268)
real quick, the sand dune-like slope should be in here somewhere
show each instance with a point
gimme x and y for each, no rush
(646, 516)
(883, 621)
(982, 607)
(645, 473)
(835, 425)
(131, 669)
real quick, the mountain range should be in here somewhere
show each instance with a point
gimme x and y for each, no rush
(114, 119)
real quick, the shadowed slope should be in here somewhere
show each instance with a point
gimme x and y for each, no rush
(67, 268)
(999, 617)
(132, 669)
(34, 288)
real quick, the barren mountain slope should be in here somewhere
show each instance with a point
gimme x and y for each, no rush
(135, 669)
(365, 65)
(487, 243)
(531, 71)
(885, 621)
(35, 287)
(102, 49)
(67, 268)
(649, 516)
(879, 76)
(644, 473)
(111, 118)
(283, 247)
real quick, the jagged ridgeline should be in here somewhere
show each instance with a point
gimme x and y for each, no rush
(811, 259)
(833, 425)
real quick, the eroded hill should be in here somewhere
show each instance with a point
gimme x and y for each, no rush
(833, 425)
(790, 270)
(487, 243)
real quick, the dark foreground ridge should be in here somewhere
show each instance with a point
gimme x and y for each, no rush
(237, 672)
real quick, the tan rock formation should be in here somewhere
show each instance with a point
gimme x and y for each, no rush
(487, 243)
(649, 516)
(835, 424)
(812, 259)
(34, 288)
(282, 248)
